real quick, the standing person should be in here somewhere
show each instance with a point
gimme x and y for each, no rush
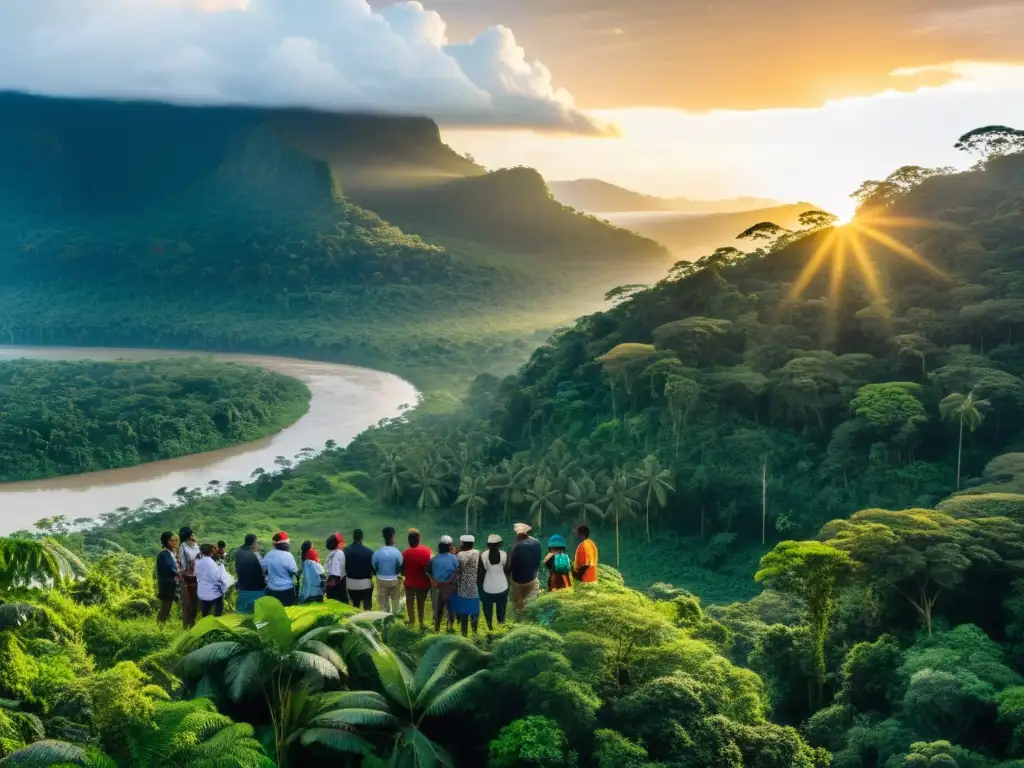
(387, 565)
(493, 581)
(442, 571)
(335, 586)
(188, 553)
(584, 565)
(415, 561)
(359, 566)
(209, 581)
(221, 550)
(465, 603)
(252, 584)
(281, 570)
(313, 575)
(168, 579)
(524, 564)
(558, 564)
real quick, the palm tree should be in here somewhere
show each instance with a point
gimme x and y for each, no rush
(49, 752)
(471, 493)
(653, 480)
(390, 478)
(430, 691)
(966, 410)
(193, 734)
(277, 652)
(543, 496)
(582, 496)
(512, 481)
(619, 502)
(36, 563)
(429, 483)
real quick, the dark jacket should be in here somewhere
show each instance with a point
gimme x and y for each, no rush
(249, 571)
(525, 557)
(358, 561)
(166, 566)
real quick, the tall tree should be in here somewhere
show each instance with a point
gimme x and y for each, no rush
(472, 495)
(966, 410)
(582, 496)
(618, 502)
(653, 481)
(27, 563)
(544, 496)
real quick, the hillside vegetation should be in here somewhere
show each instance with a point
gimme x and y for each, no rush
(59, 418)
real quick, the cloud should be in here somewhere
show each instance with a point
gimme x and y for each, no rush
(335, 55)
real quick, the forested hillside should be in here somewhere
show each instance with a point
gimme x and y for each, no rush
(59, 418)
(148, 224)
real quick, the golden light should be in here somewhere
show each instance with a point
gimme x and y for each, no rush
(848, 239)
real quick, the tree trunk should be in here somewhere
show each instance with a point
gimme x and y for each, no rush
(764, 498)
(648, 514)
(960, 450)
(616, 538)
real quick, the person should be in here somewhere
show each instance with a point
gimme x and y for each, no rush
(313, 575)
(524, 563)
(387, 565)
(188, 553)
(281, 570)
(558, 564)
(493, 581)
(442, 571)
(168, 579)
(359, 566)
(584, 565)
(209, 581)
(415, 560)
(252, 584)
(465, 603)
(221, 550)
(335, 566)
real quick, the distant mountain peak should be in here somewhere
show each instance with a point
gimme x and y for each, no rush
(599, 196)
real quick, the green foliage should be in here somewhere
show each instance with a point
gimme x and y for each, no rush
(122, 702)
(532, 742)
(66, 417)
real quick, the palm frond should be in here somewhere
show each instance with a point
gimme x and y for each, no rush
(209, 655)
(452, 697)
(353, 718)
(327, 653)
(273, 623)
(46, 753)
(324, 702)
(339, 741)
(438, 677)
(394, 676)
(242, 674)
(312, 664)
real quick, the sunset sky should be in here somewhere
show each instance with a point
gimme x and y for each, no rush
(792, 99)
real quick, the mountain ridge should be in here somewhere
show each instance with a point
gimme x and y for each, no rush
(599, 196)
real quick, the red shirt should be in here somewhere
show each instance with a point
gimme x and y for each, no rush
(414, 561)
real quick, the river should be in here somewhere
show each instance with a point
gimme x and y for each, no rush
(346, 400)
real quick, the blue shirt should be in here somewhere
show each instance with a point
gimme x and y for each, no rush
(386, 562)
(444, 566)
(281, 569)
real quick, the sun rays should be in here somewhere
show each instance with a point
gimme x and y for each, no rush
(841, 242)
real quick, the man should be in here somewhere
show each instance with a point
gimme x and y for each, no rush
(359, 572)
(442, 571)
(221, 550)
(252, 584)
(281, 570)
(524, 563)
(387, 564)
(415, 560)
(585, 563)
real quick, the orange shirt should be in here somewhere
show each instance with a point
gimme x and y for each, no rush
(586, 554)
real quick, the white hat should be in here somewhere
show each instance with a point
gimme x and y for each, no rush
(521, 528)
(494, 539)
(446, 539)
(467, 538)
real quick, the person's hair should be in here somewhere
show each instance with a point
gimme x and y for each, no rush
(332, 542)
(466, 546)
(443, 547)
(388, 533)
(185, 533)
(206, 548)
(222, 544)
(306, 546)
(284, 546)
(250, 539)
(414, 539)
(494, 552)
(165, 538)
(583, 530)
(357, 534)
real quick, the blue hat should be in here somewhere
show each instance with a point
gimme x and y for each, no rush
(556, 541)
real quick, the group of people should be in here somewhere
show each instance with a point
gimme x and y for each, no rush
(461, 582)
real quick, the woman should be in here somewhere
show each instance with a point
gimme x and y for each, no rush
(335, 566)
(281, 570)
(442, 570)
(188, 553)
(465, 603)
(210, 584)
(493, 581)
(559, 564)
(313, 575)
(168, 579)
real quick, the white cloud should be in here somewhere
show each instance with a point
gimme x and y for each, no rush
(325, 54)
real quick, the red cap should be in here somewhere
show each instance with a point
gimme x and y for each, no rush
(280, 536)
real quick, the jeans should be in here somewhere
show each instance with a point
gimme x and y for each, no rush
(188, 602)
(362, 598)
(337, 591)
(286, 596)
(217, 606)
(389, 595)
(416, 597)
(490, 603)
(523, 592)
(440, 603)
(246, 600)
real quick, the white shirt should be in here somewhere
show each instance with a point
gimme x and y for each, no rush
(495, 580)
(187, 554)
(209, 579)
(336, 563)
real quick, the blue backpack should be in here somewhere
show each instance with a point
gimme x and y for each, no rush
(562, 564)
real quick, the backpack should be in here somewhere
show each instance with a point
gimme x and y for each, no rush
(562, 564)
